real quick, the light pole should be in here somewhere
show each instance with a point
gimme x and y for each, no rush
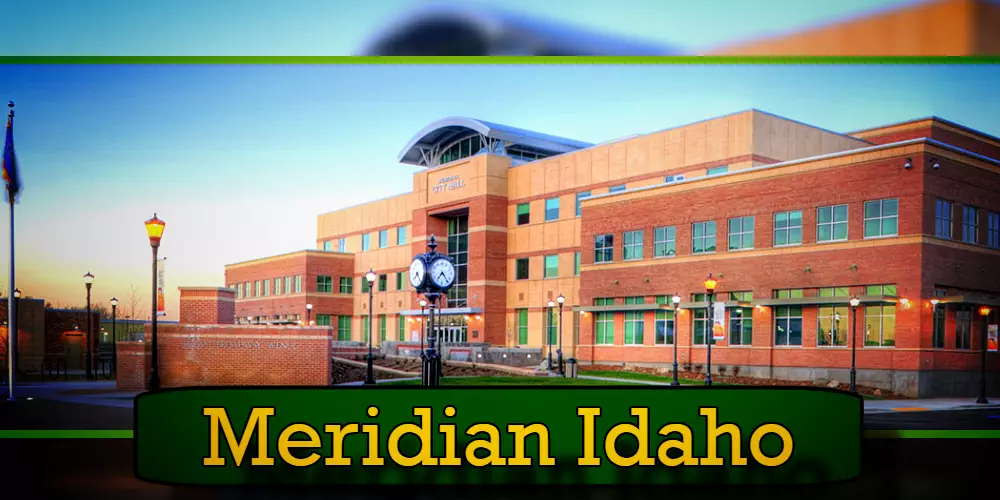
(676, 299)
(423, 326)
(309, 310)
(710, 284)
(370, 277)
(154, 229)
(548, 328)
(561, 300)
(88, 280)
(854, 340)
(114, 335)
(981, 400)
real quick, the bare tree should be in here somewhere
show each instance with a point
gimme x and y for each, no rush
(132, 300)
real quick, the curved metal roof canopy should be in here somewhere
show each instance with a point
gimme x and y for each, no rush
(420, 150)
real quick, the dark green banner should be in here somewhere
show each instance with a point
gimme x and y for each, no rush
(498, 435)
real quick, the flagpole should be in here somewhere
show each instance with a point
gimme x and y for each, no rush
(11, 303)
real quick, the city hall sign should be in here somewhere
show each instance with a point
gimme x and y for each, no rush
(448, 183)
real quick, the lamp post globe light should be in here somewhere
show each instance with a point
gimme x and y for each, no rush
(561, 300)
(154, 229)
(114, 335)
(423, 326)
(309, 310)
(854, 340)
(710, 284)
(676, 300)
(370, 375)
(548, 329)
(88, 280)
(17, 293)
(985, 313)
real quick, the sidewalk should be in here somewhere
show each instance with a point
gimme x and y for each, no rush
(921, 405)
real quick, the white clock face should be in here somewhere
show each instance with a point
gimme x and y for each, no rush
(417, 273)
(442, 273)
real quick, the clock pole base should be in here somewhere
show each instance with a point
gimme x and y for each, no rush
(430, 374)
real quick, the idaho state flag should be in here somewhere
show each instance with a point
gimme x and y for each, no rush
(10, 174)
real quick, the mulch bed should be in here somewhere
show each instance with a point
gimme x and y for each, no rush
(737, 380)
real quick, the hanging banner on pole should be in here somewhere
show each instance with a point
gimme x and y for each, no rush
(719, 321)
(991, 338)
(160, 287)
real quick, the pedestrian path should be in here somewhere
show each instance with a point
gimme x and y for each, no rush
(940, 404)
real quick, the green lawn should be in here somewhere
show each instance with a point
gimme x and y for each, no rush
(510, 381)
(639, 376)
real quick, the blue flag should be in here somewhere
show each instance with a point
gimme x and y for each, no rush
(10, 173)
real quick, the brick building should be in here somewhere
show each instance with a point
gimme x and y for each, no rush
(793, 219)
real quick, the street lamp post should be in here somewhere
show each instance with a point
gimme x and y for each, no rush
(88, 280)
(114, 335)
(423, 330)
(985, 313)
(676, 299)
(370, 376)
(854, 340)
(154, 229)
(561, 300)
(548, 328)
(710, 284)
(309, 310)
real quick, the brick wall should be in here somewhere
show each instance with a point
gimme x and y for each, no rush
(207, 306)
(133, 366)
(31, 334)
(222, 355)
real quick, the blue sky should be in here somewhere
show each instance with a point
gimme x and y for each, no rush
(239, 160)
(340, 27)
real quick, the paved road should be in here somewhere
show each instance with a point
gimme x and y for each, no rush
(928, 420)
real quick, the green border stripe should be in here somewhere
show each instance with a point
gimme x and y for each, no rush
(65, 434)
(127, 434)
(494, 60)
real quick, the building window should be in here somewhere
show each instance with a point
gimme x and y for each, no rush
(963, 327)
(239, 291)
(741, 326)
(634, 326)
(937, 337)
(788, 228)
(522, 268)
(381, 327)
(884, 290)
(346, 284)
(523, 213)
(664, 324)
(580, 196)
(400, 282)
(400, 329)
(383, 283)
(343, 328)
(605, 333)
(970, 224)
(267, 288)
(741, 233)
(364, 285)
(366, 241)
(551, 336)
(323, 320)
(277, 286)
(942, 219)
(576, 264)
(458, 250)
(700, 326)
(551, 266)
(632, 245)
(522, 326)
(880, 326)
(830, 330)
(342, 245)
(615, 189)
(673, 178)
(365, 328)
(881, 218)
(383, 238)
(256, 288)
(604, 245)
(288, 284)
(788, 325)
(551, 209)
(664, 241)
(789, 293)
(717, 170)
(703, 237)
(831, 223)
(993, 230)
(401, 235)
(327, 246)
(247, 291)
(324, 284)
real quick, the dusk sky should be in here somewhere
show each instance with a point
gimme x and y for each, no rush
(239, 160)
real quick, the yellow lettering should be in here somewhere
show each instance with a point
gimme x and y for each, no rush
(713, 432)
(589, 415)
(285, 442)
(491, 445)
(684, 445)
(422, 431)
(337, 434)
(449, 439)
(521, 433)
(219, 418)
(786, 445)
(641, 433)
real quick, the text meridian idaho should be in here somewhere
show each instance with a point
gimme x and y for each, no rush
(485, 450)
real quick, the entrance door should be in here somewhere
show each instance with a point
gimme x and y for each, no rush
(73, 344)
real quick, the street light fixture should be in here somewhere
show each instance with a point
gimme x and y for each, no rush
(676, 300)
(114, 335)
(710, 284)
(548, 330)
(370, 277)
(154, 229)
(561, 300)
(17, 293)
(88, 280)
(984, 311)
(309, 310)
(854, 340)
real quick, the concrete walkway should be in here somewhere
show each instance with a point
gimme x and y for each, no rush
(911, 405)
(100, 392)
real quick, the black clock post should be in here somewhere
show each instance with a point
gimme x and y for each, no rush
(433, 287)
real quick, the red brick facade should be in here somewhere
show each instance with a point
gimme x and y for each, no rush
(207, 306)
